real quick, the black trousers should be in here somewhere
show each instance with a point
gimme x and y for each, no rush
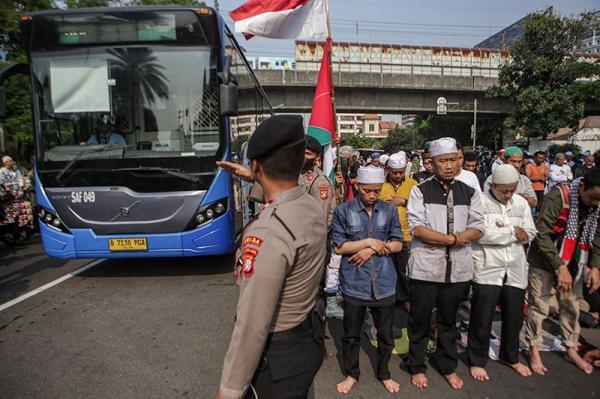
(354, 318)
(483, 304)
(400, 264)
(289, 364)
(424, 297)
(540, 197)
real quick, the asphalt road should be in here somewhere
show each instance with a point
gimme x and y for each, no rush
(160, 328)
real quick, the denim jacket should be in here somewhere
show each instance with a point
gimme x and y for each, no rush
(376, 279)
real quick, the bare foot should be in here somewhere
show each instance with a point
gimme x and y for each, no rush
(454, 381)
(419, 380)
(521, 369)
(479, 373)
(391, 385)
(535, 361)
(573, 357)
(346, 385)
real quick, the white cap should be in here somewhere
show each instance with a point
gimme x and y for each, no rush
(370, 175)
(505, 174)
(397, 160)
(383, 159)
(568, 153)
(445, 145)
(6, 158)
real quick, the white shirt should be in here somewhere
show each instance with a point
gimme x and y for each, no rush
(498, 254)
(470, 179)
(559, 174)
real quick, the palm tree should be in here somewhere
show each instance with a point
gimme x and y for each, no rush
(144, 71)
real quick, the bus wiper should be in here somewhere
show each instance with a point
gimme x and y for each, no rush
(171, 172)
(76, 158)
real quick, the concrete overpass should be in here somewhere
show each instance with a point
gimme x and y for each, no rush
(365, 92)
(378, 78)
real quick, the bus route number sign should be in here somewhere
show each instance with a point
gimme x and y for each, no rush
(127, 244)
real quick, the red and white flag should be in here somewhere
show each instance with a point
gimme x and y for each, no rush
(282, 19)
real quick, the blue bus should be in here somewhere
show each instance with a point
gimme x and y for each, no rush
(132, 109)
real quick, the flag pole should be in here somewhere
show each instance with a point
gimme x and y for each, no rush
(340, 189)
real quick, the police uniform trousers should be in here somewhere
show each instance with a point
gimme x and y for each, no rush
(483, 305)
(424, 297)
(290, 361)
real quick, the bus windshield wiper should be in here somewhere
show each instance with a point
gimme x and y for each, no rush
(171, 172)
(76, 158)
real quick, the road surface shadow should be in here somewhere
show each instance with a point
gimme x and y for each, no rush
(197, 266)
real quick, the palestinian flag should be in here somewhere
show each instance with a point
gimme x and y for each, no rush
(322, 117)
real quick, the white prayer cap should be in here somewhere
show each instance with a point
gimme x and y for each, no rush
(383, 159)
(397, 160)
(445, 145)
(370, 175)
(505, 174)
(6, 158)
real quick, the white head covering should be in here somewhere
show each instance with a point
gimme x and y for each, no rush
(370, 175)
(505, 174)
(383, 159)
(6, 158)
(397, 160)
(445, 145)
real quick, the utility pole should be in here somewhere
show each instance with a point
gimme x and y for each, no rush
(474, 122)
(217, 5)
(356, 33)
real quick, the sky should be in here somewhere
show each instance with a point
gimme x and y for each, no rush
(457, 23)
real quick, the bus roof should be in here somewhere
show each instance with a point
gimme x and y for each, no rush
(58, 11)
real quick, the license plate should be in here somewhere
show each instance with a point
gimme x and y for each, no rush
(127, 244)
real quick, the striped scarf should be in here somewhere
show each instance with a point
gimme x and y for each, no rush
(570, 246)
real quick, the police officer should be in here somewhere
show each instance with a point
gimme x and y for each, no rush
(277, 344)
(316, 183)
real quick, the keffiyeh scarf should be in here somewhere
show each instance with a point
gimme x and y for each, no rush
(571, 246)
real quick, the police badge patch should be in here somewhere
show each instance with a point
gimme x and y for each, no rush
(248, 257)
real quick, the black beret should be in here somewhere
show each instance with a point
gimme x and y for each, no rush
(275, 132)
(313, 144)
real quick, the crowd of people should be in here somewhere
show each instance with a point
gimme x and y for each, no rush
(427, 232)
(16, 210)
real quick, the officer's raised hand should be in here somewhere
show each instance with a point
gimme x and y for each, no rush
(237, 170)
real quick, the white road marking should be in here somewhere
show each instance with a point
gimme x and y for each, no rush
(51, 284)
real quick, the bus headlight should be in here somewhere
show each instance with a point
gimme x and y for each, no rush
(52, 220)
(208, 213)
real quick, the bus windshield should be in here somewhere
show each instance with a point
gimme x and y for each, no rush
(132, 116)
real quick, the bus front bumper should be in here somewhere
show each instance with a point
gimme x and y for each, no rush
(215, 238)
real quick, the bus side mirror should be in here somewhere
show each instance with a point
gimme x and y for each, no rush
(228, 90)
(2, 102)
(229, 99)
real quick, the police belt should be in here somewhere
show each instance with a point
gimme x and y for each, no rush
(300, 330)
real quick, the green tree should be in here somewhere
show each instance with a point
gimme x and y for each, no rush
(541, 79)
(358, 141)
(490, 129)
(402, 139)
(557, 148)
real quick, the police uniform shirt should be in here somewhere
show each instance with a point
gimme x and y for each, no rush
(316, 184)
(279, 269)
(319, 187)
